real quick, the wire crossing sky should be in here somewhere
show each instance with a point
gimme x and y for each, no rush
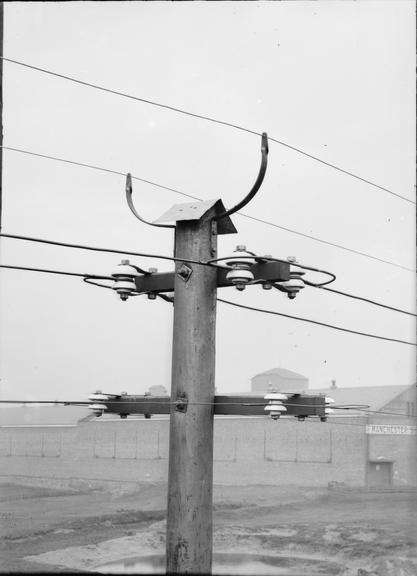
(331, 83)
(88, 276)
(216, 121)
(266, 222)
(159, 256)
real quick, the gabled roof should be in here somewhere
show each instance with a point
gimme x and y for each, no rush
(283, 373)
(195, 211)
(32, 415)
(376, 397)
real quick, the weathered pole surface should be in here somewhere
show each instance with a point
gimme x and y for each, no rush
(1, 108)
(190, 477)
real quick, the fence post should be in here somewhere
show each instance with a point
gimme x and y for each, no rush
(114, 443)
(59, 446)
(296, 441)
(330, 446)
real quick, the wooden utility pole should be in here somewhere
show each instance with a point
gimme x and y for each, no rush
(190, 476)
(1, 109)
(189, 537)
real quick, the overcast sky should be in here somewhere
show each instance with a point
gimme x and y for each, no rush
(335, 79)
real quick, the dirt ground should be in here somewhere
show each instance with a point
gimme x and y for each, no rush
(340, 532)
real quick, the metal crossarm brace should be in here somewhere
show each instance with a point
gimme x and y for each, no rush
(300, 405)
(164, 282)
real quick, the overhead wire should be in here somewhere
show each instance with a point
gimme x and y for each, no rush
(145, 255)
(327, 242)
(99, 168)
(46, 271)
(157, 400)
(165, 401)
(209, 119)
(332, 326)
(329, 419)
(402, 414)
(269, 223)
(368, 300)
(25, 268)
(109, 250)
(242, 214)
(272, 259)
(212, 262)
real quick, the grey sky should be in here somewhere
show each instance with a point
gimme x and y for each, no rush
(333, 78)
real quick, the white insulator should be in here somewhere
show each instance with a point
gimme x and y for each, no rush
(295, 284)
(98, 397)
(328, 400)
(124, 286)
(97, 407)
(240, 275)
(275, 408)
(124, 270)
(276, 396)
(328, 411)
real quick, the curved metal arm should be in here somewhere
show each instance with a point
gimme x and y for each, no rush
(129, 191)
(258, 182)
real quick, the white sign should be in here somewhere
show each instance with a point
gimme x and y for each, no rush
(390, 429)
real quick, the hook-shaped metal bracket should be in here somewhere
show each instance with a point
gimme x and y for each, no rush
(129, 190)
(258, 182)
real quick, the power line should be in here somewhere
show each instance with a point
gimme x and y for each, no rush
(403, 414)
(157, 400)
(110, 250)
(328, 243)
(74, 403)
(315, 322)
(24, 268)
(141, 254)
(209, 119)
(169, 402)
(361, 298)
(268, 223)
(46, 271)
(272, 259)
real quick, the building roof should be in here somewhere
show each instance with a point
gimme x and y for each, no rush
(376, 397)
(32, 415)
(282, 373)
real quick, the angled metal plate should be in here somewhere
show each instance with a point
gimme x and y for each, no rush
(195, 211)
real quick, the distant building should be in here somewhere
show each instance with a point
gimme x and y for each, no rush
(279, 379)
(157, 390)
(380, 400)
(370, 440)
